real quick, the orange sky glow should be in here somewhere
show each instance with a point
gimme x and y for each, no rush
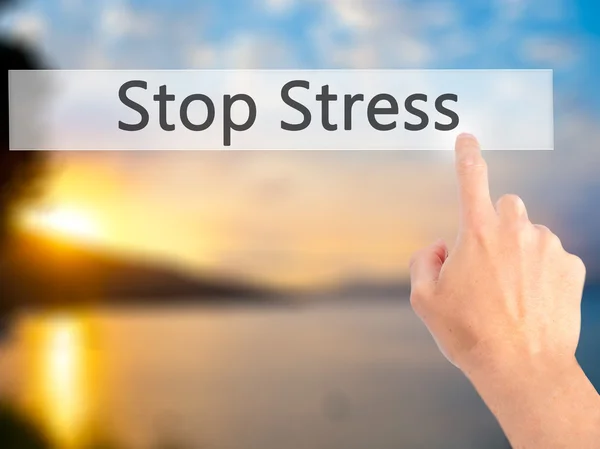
(291, 219)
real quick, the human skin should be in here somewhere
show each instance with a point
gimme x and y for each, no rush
(504, 307)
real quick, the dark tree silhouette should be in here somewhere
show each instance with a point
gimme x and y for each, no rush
(19, 171)
(19, 432)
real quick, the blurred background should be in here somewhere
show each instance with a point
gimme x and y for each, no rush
(259, 299)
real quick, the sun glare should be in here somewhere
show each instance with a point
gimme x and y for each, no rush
(68, 222)
(62, 365)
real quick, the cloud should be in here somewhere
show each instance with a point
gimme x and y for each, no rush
(440, 14)
(383, 34)
(242, 51)
(544, 10)
(405, 51)
(365, 34)
(30, 27)
(202, 57)
(356, 13)
(119, 20)
(96, 58)
(555, 10)
(511, 10)
(412, 51)
(550, 51)
(279, 6)
(457, 44)
(71, 5)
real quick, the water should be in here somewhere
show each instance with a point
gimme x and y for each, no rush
(329, 376)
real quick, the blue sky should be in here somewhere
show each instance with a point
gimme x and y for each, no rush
(376, 195)
(559, 34)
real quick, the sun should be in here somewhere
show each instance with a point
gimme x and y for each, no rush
(69, 222)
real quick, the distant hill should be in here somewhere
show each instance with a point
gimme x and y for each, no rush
(365, 289)
(42, 271)
(399, 289)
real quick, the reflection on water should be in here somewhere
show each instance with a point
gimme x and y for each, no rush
(336, 376)
(62, 376)
(340, 376)
(58, 361)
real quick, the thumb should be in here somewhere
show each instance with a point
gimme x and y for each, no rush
(425, 265)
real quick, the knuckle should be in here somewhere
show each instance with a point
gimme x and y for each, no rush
(553, 240)
(415, 302)
(510, 201)
(521, 236)
(548, 237)
(419, 294)
(478, 231)
(468, 166)
(577, 265)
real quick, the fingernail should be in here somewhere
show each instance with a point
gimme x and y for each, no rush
(467, 147)
(466, 136)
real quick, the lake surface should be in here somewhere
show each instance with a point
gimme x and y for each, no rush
(352, 375)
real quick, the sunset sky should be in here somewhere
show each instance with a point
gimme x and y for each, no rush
(308, 217)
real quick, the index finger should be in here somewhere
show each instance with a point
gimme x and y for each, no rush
(473, 184)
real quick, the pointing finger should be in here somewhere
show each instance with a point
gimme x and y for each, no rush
(473, 184)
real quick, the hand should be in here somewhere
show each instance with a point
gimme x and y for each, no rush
(504, 307)
(508, 293)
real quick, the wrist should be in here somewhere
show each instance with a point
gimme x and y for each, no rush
(507, 364)
(529, 381)
(543, 399)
